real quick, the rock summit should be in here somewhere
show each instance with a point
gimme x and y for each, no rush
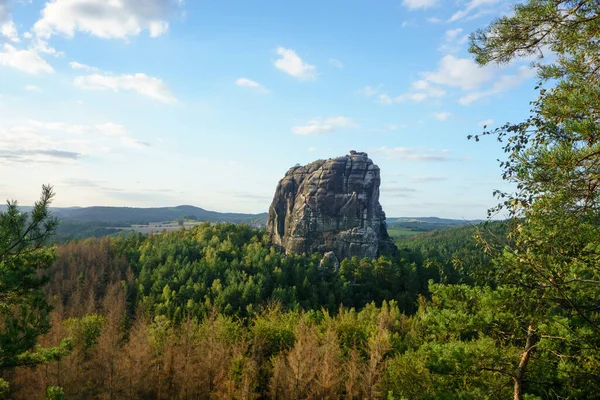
(330, 205)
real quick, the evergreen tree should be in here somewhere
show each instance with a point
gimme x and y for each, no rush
(23, 306)
(554, 160)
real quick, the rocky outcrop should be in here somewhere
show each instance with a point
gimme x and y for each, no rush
(330, 205)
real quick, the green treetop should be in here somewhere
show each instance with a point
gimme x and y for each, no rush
(23, 306)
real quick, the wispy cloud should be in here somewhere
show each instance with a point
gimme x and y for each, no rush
(78, 65)
(419, 91)
(442, 116)
(369, 91)
(249, 83)
(23, 144)
(415, 154)
(105, 187)
(398, 191)
(61, 142)
(502, 84)
(336, 63)
(27, 61)
(252, 196)
(425, 179)
(40, 156)
(458, 72)
(453, 72)
(472, 6)
(148, 86)
(454, 41)
(324, 125)
(419, 4)
(116, 132)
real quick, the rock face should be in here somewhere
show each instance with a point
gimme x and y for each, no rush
(330, 205)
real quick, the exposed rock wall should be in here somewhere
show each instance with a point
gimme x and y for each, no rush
(330, 205)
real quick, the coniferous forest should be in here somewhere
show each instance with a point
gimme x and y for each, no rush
(506, 309)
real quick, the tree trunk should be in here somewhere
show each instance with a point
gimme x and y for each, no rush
(518, 378)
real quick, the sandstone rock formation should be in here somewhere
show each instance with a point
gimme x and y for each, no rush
(330, 205)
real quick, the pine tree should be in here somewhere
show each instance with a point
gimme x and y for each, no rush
(23, 306)
(554, 161)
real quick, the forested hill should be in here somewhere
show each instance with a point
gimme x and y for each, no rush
(129, 215)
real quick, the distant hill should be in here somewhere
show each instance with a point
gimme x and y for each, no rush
(79, 222)
(137, 215)
(133, 215)
(434, 220)
(407, 226)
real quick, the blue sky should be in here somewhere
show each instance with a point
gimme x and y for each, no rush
(167, 102)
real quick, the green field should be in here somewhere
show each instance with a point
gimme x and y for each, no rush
(400, 232)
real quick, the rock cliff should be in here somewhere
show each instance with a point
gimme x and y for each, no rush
(330, 205)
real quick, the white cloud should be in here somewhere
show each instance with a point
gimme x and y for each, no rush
(442, 116)
(419, 91)
(249, 83)
(471, 6)
(336, 63)
(452, 34)
(324, 125)
(486, 122)
(459, 72)
(33, 88)
(143, 84)
(455, 72)
(60, 126)
(24, 60)
(108, 130)
(419, 4)
(471, 97)
(61, 142)
(77, 65)
(40, 45)
(105, 18)
(454, 41)
(9, 31)
(290, 63)
(120, 133)
(384, 98)
(502, 84)
(414, 154)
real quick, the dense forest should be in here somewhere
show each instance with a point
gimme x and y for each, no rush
(493, 311)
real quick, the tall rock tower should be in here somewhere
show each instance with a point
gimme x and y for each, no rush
(330, 205)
